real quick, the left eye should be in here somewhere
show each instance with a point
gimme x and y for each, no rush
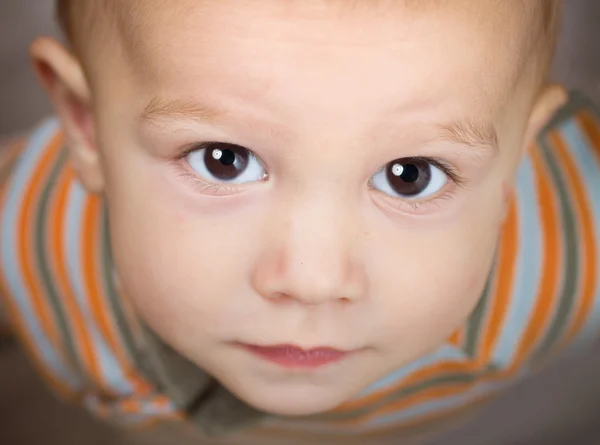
(226, 163)
(410, 178)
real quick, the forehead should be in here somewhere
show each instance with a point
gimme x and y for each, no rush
(471, 48)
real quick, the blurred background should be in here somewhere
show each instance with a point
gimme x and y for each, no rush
(559, 407)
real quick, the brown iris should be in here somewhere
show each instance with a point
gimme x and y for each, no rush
(226, 161)
(409, 177)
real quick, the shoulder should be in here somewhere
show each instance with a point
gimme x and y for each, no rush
(568, 157)
(18, 154)
(26, 164)
(558, 214)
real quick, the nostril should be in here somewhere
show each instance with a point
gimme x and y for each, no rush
(279, 297)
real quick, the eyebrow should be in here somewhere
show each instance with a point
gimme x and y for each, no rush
(468, 132)
(179, 109)
(471, 133)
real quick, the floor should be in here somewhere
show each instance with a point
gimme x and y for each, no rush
(558, 407)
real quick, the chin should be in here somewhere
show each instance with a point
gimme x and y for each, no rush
(289, 402)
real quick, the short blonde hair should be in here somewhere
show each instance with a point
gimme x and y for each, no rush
(81, 20)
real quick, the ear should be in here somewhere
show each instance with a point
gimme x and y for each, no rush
(551, 98)
(62, 76)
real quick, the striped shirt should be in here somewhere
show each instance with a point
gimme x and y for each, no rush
(59, 289)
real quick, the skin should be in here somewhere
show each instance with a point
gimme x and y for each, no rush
(313, 255)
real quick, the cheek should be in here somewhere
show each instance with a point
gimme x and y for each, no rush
(431, 290)
(183, 273)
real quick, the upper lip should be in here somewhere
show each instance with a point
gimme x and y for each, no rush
(305, 349)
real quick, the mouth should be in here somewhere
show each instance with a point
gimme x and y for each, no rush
(294, 357)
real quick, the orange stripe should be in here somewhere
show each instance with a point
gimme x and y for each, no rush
(419, 398)
(18, 323)
(57, 385)
(435, 392)
(424, 374)
(429, 419)
(551, 258)
(130, 406)
(400, 431)
(90, 238)
(590, 125)
(97, 303)
(26, 247)
(587, 242)
(457, 338)
(162, 402)
(75, 316)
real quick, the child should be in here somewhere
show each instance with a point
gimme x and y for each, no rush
(301, 219)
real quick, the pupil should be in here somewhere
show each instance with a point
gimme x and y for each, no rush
(409, 177)
(226, 161)
(410, 173)
(228, 157)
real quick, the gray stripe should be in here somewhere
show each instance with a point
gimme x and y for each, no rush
(571, 257)
(24, 169)
(476, 320)
(448, 379)
(43, 261)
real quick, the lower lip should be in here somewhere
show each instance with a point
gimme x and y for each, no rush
(292, 357)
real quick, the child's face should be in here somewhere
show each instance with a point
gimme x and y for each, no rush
(372, 150)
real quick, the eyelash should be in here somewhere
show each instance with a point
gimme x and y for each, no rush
(421, 206)
(416, 205)
(196, 181)
(203, 186)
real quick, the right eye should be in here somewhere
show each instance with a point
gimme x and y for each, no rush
(411, 178)
(219, 162)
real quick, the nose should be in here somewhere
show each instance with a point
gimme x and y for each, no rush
(311, 257)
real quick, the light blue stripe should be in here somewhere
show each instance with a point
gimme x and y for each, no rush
(10, 260)
(589, 167)
(148, 410)
(111, 370)
(445, 353)
(528, 267)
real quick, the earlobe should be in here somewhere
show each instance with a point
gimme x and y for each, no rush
(62, 76)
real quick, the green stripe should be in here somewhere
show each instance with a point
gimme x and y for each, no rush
(43, 262)
(476, 320)
(571, 258)
(115, 303)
